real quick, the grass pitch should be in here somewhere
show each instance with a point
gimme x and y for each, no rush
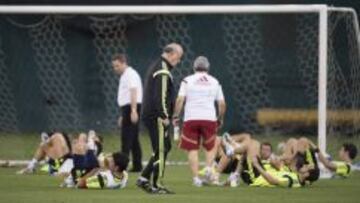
(43, 188)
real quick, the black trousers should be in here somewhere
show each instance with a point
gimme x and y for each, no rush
(130, 136)
(161, 145)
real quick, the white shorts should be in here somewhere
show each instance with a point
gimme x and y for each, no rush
(66, 167)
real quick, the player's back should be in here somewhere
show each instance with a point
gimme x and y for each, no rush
(202, 90)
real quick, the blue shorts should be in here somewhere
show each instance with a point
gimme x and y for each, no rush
(85, 162)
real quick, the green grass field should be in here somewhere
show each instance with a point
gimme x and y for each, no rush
(43, 188)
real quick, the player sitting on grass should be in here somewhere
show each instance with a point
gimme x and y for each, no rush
(248, 148)
(341, 168)
(254, 173)
(57, 148)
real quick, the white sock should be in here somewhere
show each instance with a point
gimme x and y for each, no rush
(229, 150)
(197, 181)
(208, 170)
(44, 137)
(32, 164)
(234, 175)
(91, 144)
(196, 178)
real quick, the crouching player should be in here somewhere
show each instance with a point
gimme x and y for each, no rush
(112, 174)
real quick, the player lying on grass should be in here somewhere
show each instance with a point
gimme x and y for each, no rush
(112, 173)
(232, 165)
(81, 166)
(85, 160)
(254, 173)
(303, 148)
(89, 171)
(342, 168)
(57, 148)
(221, 164)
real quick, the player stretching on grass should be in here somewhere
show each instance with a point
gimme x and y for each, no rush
(232, 165)
(112, 173)
(341, 168)
(56, 146)
(254, 173)
(303, 148)
(90, 171)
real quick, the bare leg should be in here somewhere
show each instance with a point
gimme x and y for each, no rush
(303, 144)
(56, 148)
(224, 161)
(243, 137)
(210, 156)
(194, 162)
(80, 145)
(290, 150)
(240, 142)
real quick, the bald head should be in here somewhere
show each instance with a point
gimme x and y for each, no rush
(173, 53)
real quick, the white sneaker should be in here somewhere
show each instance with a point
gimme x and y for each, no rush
(91, 134)
(26, 170)
(44, 137)
(68, 182)
(197, 182)
(229, 150)
(234, 179)
(208, 174)
(216, 179)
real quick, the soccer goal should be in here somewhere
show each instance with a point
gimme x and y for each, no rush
(283, 68)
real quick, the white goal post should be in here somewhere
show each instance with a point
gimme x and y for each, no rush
(322, 11)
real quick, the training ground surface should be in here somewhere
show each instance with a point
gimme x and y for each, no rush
(43, 188)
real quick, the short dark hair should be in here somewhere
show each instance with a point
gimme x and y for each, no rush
(350, 149)
(120, 57)
(121, 160)
(314, 175)
(299, 160)
(169, 49)
(266, 144)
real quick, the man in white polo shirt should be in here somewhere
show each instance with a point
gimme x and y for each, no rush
(200, 91)
(129, 99)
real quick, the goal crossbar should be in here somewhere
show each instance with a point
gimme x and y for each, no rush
(160, 9)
